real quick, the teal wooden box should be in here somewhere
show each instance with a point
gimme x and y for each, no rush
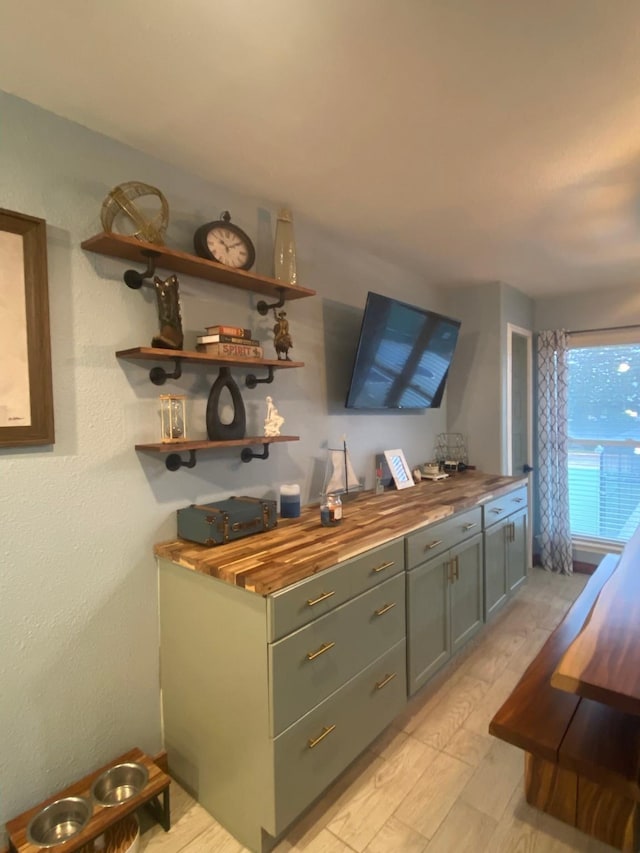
(225, 521)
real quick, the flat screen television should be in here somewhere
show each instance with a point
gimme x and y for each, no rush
(403, 356)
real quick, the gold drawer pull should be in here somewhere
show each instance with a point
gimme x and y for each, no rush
(470, 526)
(433, 544)
(518, 500)
(384, 566)
(322, 597)
(314, 741)
(497, 509)
(385, 608)
(323, 648)
(385, 681)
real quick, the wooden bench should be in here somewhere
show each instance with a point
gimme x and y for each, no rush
(582, 758)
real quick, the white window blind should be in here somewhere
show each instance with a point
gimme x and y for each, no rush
(604, 434)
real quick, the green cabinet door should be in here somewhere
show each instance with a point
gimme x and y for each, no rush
(495, 568)
(428, 630)
(465, 591)
(517, 549)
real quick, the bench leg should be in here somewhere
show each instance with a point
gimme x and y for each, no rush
(607, 816)
(551, 788)
(595, 810)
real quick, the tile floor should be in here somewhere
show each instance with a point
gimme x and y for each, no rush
(434, 781)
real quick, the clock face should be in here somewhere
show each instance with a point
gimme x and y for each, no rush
(227, 247)
(224, 242)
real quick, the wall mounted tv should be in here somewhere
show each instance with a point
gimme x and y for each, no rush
(403, 356)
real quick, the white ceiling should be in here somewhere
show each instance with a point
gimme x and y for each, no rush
(472, 140)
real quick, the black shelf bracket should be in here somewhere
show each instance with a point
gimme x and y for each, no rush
(247, 454)
(264, 309)
(158, 375)
(252, 380)
(174, 461)
(135, 279)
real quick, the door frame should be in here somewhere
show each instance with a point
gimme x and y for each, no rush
(528, 335)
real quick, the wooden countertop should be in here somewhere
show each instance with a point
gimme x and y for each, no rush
(603, 662)
(299, 547)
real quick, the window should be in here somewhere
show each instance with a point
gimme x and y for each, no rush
(604, 434)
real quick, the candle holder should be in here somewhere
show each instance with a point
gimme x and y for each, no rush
(173, 421)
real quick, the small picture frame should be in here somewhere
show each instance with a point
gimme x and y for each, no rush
(399, 469)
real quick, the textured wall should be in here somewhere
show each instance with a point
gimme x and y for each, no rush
(78, 636)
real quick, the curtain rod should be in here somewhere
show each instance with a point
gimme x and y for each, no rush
(603, 329)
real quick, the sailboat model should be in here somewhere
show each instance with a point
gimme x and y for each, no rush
(340, 478)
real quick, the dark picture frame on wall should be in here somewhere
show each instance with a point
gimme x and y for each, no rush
(26, 393)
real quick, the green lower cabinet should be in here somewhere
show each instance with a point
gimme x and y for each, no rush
(495, 568)
(517, 550)
(505, 559)
(466, 592)
(444, 609)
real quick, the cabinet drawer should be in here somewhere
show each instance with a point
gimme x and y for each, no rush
(500, 507)
(310, 754)
(308, 665)
(306, 600)
(439, 537)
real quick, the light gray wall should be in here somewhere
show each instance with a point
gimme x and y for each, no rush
(593, 309)
(78, 635)
(474, 393)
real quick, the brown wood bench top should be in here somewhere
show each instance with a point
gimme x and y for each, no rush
(536, 715)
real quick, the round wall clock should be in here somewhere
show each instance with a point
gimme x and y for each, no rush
(225, 243)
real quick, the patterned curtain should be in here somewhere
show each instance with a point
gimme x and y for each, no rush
(553, 458)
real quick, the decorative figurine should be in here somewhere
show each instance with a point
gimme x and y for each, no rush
(168, 296)
(282, 338)
(119, 206)
(273, 421)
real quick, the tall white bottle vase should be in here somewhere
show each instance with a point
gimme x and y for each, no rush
(284, 249)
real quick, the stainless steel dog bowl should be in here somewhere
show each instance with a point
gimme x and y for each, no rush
(59, 821)
(119, 783)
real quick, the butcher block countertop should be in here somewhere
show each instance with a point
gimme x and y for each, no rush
(299, 547)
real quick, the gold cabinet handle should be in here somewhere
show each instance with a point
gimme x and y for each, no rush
(518, 500)
(470, 526)
(322, 597)
(456, 570)
(497, 510)
(433, 544)
(385, 608)
(513, 531)
(385, 681)
(314, 741)
(323, 648)
(384, 566)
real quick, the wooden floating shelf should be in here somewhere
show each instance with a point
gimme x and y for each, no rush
(178, 446)
(155, 354)
(102, 816)
(130, 249)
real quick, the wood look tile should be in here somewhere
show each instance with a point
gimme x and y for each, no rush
(396, 836)
(445, 717)
(387, 783)
(429, 801)
(496, 778)
(469, 746)
(464, 830)
(478, 720)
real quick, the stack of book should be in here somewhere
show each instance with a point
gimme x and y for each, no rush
(229, 341)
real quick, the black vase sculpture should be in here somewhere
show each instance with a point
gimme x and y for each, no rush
(216, 430)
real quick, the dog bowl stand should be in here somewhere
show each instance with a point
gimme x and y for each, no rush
(102, 817)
